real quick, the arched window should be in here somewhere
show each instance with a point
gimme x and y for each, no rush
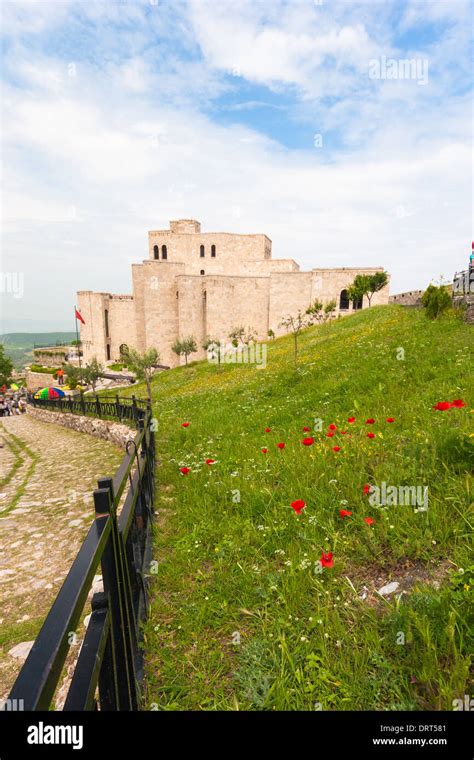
(357, 303)
(201, 252)
(213, 251)
(164, 252)
(106, 318)
(156, 252)
(123, 350)
(202, 271)
(343, 300)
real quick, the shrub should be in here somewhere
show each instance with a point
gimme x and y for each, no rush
(436, 301)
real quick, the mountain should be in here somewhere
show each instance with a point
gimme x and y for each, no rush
(19, 346)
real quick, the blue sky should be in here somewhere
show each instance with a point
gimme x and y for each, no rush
(249, 116)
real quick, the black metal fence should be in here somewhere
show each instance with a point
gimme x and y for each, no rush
(105, 407)
(108, 671)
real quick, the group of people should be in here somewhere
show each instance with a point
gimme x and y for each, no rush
(12, 403)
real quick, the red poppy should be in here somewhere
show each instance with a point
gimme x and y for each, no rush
(184, 470)
(210, 461)
(185, 424)
(343, 432)
(367, 488)
(369, 520)
(281, 445)
(370, 435)
(332, 426)
(326, 559)
(370, 421)
(458, 403)
(267, 430)
(344, 513)
(307, 441)
(306, 429)
(264, 451)
(351, 419)
(298, 506)
(336, 448)
(441, 406)
(390, 419)
(329, 435)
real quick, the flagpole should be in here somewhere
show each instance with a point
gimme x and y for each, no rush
(78, 344)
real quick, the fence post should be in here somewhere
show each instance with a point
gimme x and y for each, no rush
(113, 588)
(97, 401)
(70, 404)
(117, 406)
(83, 403)
(125, 595)
(135, 409)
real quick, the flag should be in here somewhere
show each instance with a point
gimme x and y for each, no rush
(79, 316)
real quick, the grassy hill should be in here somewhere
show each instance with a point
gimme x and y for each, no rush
(19, 346)
(243, 614)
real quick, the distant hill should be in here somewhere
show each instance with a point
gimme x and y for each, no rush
(19, 346)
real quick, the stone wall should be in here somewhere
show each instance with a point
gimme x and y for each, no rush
(411, 298)
(468, 302)
(107, 429)
(37, 380)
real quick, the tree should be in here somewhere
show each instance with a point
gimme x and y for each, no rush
(296, 325)
(142, 365)
(6, 367)
(367, 285)
(329, 310)
(435, 300)
(92, 372)
(185, 347)
(213, 347)
(73, 375)
(319, 313)
(238, 335)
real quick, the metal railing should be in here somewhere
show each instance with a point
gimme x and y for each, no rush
(108, 670)
(105, 407)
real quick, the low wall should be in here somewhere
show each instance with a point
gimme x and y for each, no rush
(468, 302)
(37, 380)
(411, 298)
(109, 430)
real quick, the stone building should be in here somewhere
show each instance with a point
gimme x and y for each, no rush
(205, 284)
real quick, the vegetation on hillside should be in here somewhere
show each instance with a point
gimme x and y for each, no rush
(270, 548)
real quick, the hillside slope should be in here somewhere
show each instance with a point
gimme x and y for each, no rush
(244, 616)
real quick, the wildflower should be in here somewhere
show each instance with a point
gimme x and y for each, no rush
(370, 435)
(210, 461)
(329, 435)
(267, 430)
(458, 403)
(184, 470)
(281, 445)
(298, 506)
(390, 419)
(351, 420)
(369, 520)
(344, 513)
(264, 451)
(306, 429)
(327, 559)
(441, 406)
(370, 421)
(307, 441)
(367, 488)
(343, 432)
(336, 448)
(332, 426)
(185, 424)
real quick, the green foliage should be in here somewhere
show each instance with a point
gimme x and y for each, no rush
(43, 370)
(185, 347)
(367, 285)
(6, 367)
(143, 364)
(92, 372)
(436, 300)
(73, 375)
(234, 558)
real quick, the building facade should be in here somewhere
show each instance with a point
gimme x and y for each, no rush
(206, 284)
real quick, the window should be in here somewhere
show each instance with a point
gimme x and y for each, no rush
(344, 300)
(106, 317)
(156, 253)
(123, 350)
(201, 252)
(164, 252)
(357, 303)
(177, 294)
(202, 271)
(213, 251)
(108, 352)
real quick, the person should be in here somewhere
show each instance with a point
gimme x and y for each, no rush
(60, 376)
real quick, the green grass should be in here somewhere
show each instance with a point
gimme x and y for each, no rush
(236, 564)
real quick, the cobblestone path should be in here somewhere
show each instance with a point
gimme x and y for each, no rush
(47, 475)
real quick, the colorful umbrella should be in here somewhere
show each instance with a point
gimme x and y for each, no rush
(50, 393)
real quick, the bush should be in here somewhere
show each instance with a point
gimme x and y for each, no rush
(436, 301)
(43, 370)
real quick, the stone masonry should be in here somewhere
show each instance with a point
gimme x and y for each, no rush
(206, 284)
